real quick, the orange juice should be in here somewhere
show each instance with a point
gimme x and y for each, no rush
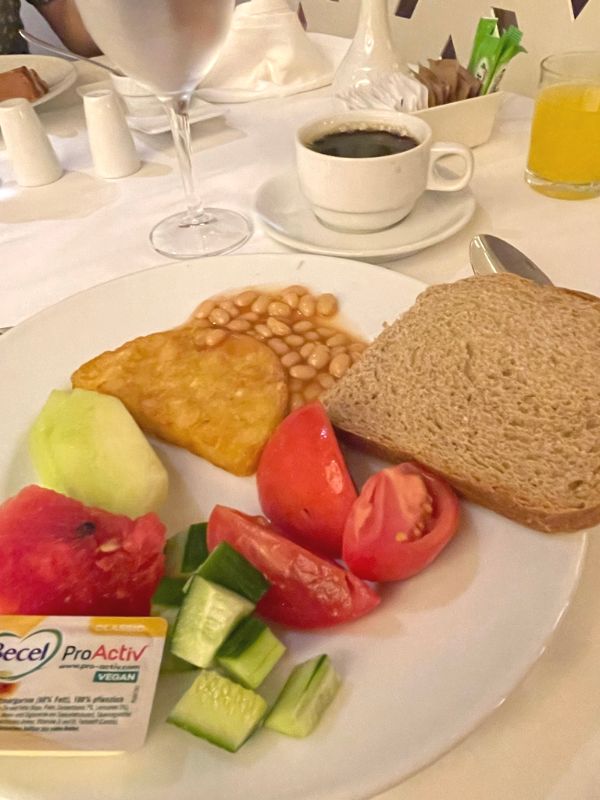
(565, 140)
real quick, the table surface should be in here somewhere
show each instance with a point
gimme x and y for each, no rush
(544, 741)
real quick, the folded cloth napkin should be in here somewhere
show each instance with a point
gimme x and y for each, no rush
(267, 54)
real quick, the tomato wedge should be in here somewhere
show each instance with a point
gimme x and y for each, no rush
(306, 591)
(304, 486)
(401, 521)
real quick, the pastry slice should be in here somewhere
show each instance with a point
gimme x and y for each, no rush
(22, 82)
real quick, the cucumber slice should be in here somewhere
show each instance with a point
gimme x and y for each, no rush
(207, 616)
(219, 710)
(169, 662)
(308, 691)
(169, 592)
(227, 567)
(250, 653)
(173, 551)
(196, 549)
(186, 550)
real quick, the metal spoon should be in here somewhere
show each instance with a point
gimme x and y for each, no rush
(490, 255)
(29, 37)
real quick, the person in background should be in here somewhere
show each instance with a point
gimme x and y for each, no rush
(62, 16)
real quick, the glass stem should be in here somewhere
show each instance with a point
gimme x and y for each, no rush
(177, 107)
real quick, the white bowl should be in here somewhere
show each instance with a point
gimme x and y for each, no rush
(469, 122)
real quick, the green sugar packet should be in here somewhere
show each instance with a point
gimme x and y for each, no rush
(510, 46)
(491, 52)
(484, 45)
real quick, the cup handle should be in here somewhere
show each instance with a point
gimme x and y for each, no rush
(438, 182)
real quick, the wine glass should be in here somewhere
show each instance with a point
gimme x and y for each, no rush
(170, 45)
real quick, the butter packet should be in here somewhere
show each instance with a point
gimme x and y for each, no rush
(77, 685)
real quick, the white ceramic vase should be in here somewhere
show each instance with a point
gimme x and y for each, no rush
(371, 54)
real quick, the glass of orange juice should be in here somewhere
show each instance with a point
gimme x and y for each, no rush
(564, 152)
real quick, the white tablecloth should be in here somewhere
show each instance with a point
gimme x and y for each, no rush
(544, 742)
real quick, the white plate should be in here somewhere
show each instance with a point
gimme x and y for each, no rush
(441, 652)
(58, 73)
(156, 123)
(287, 217)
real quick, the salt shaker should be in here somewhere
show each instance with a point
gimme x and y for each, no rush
(113, 151)
(371, 54)
(29, 150)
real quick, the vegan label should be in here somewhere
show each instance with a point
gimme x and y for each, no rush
(77, 683)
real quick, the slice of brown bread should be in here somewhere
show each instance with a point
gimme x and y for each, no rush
(494, 383)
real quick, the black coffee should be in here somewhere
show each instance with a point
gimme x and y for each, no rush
(362, 144)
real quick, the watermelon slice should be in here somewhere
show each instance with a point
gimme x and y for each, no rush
(61, 557)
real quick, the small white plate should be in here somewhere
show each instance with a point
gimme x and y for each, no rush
(157, 123)
(58, 73)
(287, 217)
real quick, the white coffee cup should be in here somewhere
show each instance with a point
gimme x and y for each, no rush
(370, 194)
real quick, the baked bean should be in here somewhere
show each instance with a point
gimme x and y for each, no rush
(202, 323)
(278, 309)
(312, 391)
(296, 400)
(291, 298)
(311, 336)
(326, 380)
(302, 326)
(199, 337)
(341, 348)
(219, 316)
(291, 359)
(339, 364)
(327, 305)
(357, 347)
(245, 298)
(263, 330)
(296, 385)
(319, 357)
(307, 349)
(278, 346)
(205, 308)
(215, 336)
(251, 316)
(336, 340)
(230, 308)
(238, 325)
(278, 327)
(325, 332)
(306, 306)
(296, 289)
(303, 371)
(260, 305)
(294, 340)
(355, 355)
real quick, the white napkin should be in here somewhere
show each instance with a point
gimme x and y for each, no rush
(267, 54)
(394, 92)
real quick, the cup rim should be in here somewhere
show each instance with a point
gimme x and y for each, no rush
(561, 72)
(369, 114)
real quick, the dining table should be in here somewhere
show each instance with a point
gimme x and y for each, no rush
(543, 741)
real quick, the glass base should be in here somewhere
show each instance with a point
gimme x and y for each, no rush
(222, 232)
(562, 191)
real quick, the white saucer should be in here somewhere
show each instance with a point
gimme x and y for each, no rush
(287, 217)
